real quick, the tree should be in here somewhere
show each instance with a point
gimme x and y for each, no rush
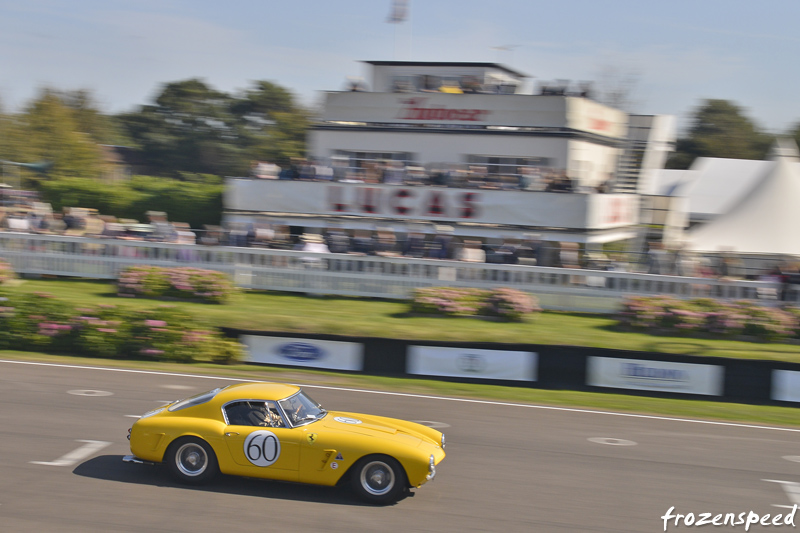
(51, 133)
(103, 129)
(196, 129)
(273, 124)
(190, 129)
(720, 129)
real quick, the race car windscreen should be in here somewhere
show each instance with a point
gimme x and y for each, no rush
(301, 409)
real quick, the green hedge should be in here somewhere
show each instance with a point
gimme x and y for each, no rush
(197, 201)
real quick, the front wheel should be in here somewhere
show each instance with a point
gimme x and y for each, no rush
(191, 460)
(378, 479)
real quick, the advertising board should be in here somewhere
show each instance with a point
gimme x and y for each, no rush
(662, 376)
(312, 353)
(472, 363)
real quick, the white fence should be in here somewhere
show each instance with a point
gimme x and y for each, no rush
(363, 276)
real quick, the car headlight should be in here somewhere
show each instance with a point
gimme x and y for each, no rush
(443, 441)
(431, 468)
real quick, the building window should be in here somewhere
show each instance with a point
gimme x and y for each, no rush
(359, 159)
(507, 165)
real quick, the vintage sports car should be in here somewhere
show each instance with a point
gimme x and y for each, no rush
(275, 431)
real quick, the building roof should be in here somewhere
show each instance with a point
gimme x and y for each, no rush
(447, 64)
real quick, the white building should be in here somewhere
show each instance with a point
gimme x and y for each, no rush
(498, 161)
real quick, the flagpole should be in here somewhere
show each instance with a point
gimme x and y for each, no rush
(410, 32)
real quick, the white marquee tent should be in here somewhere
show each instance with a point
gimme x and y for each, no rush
(766, 219)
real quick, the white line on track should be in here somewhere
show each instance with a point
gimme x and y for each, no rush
(89, 448)
(422, 396)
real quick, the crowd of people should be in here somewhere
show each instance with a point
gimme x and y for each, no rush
(415, 241)
(393, 172)
(39, 218)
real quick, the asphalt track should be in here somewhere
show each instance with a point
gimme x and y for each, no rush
(508, 467)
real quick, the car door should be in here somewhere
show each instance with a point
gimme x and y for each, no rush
(268, 451)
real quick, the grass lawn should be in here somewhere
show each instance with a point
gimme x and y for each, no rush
(272, 311)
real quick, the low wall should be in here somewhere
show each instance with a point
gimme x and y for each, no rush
(534, 365)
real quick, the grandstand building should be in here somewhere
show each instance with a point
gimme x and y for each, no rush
(463, 144)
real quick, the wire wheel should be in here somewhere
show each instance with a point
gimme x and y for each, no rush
(379, 479)
(192, 460)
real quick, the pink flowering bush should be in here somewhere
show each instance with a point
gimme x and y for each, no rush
(509, 304)
(720, 318)
(184, 283)
(40, 322)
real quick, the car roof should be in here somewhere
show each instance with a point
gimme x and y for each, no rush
(256, 391)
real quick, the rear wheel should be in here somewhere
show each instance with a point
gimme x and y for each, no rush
(191, 460)
(378, 479)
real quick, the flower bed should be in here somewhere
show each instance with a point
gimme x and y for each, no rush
(507, 304)
(718, 318)
(184, 283)
(39, 322)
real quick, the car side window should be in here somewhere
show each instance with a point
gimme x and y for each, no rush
(254, 413)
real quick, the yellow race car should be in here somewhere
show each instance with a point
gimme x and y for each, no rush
(276, 431)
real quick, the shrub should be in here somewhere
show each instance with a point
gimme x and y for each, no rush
(447, 301)
(509, 304)
(719, 318)
(183, 283)
(42, 323)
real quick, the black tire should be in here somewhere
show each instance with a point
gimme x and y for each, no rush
(378, 479)
(191, 460)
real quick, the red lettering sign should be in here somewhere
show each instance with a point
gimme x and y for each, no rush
(469, 205)
(403, 202)
(335, 195)
(415, 110)
(395, 203)
(369, 199)
(599, 124)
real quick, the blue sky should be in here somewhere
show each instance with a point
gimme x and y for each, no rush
(682, 51)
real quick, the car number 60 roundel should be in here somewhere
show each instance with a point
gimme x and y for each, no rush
(262, 448)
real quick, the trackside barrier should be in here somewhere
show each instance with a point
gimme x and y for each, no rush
(535, 366)
(562, 289)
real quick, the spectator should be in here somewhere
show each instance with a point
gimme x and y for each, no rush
(415, 244)
(442, 245)
(265, 170)
(338, 241)
(362, 243)
(656, 258)
(307, 171)
(313, 243)
(394, 173)
(472, 252)
(386, 243)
